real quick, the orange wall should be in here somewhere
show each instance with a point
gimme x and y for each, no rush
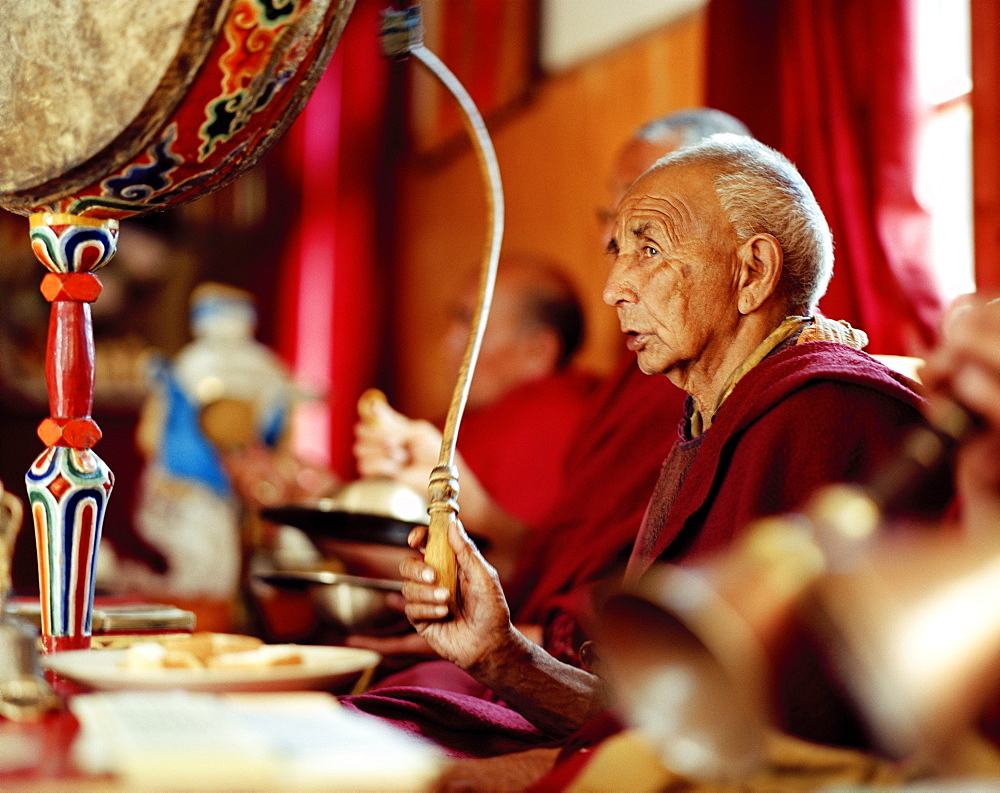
(554, 154)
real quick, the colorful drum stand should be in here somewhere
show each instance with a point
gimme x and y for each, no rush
(222, 80)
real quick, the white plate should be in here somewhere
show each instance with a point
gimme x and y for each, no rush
(324, 668)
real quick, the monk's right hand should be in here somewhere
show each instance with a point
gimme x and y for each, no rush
(477, 624)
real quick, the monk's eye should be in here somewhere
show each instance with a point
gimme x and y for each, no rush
(649, 250)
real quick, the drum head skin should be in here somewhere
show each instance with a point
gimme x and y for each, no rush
(115, 109)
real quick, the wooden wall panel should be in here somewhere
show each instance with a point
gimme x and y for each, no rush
(555, 153)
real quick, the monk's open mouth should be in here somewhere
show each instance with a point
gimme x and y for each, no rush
(635, 341)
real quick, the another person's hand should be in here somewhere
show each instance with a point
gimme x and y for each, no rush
(473, 625)
(387, 443)
(966, 368)
(392, 445)
(966, 364)
(263, 477)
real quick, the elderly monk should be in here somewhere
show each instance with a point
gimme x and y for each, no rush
(717, 258)
(628, 421)
(549, 565)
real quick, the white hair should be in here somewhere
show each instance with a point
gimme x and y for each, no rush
(690, 126)
(761, 191)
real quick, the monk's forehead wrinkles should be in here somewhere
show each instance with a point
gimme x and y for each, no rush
(667, 214)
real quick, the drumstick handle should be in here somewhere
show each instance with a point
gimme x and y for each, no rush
(443, 490)
(443, 487)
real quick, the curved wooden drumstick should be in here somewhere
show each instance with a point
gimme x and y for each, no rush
(402, 35)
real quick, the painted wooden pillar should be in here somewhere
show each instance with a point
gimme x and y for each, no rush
(68, 484)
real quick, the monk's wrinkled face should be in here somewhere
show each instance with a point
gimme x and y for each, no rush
(634, 159)
(673, 273)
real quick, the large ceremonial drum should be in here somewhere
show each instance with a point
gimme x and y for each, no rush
(114, 108)
(111, 109)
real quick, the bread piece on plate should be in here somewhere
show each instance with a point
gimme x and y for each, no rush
(267, 655)
(194, 651)
(205, 644)
(145, 655)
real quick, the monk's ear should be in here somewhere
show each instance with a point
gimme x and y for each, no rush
(761, 260)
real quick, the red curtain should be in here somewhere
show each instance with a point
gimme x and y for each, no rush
(328, 317)
(830, 83)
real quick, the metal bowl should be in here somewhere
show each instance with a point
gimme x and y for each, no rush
(373, 495)
(371, 510)
(364, 525)
(353, 604)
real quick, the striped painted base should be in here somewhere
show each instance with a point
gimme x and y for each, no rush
(68, 491)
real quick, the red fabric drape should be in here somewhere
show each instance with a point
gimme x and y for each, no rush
(328, 323)
(830, 83)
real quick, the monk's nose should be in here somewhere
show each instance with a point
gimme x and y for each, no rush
(616, 291)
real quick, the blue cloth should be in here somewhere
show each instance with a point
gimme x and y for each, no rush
(185, 452)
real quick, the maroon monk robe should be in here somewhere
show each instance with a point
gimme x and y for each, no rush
(612, 466)
(463, 725)
(806, 416)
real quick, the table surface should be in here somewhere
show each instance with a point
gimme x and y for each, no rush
(37, 755)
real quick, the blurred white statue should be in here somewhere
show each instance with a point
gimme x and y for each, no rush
(223, 392)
